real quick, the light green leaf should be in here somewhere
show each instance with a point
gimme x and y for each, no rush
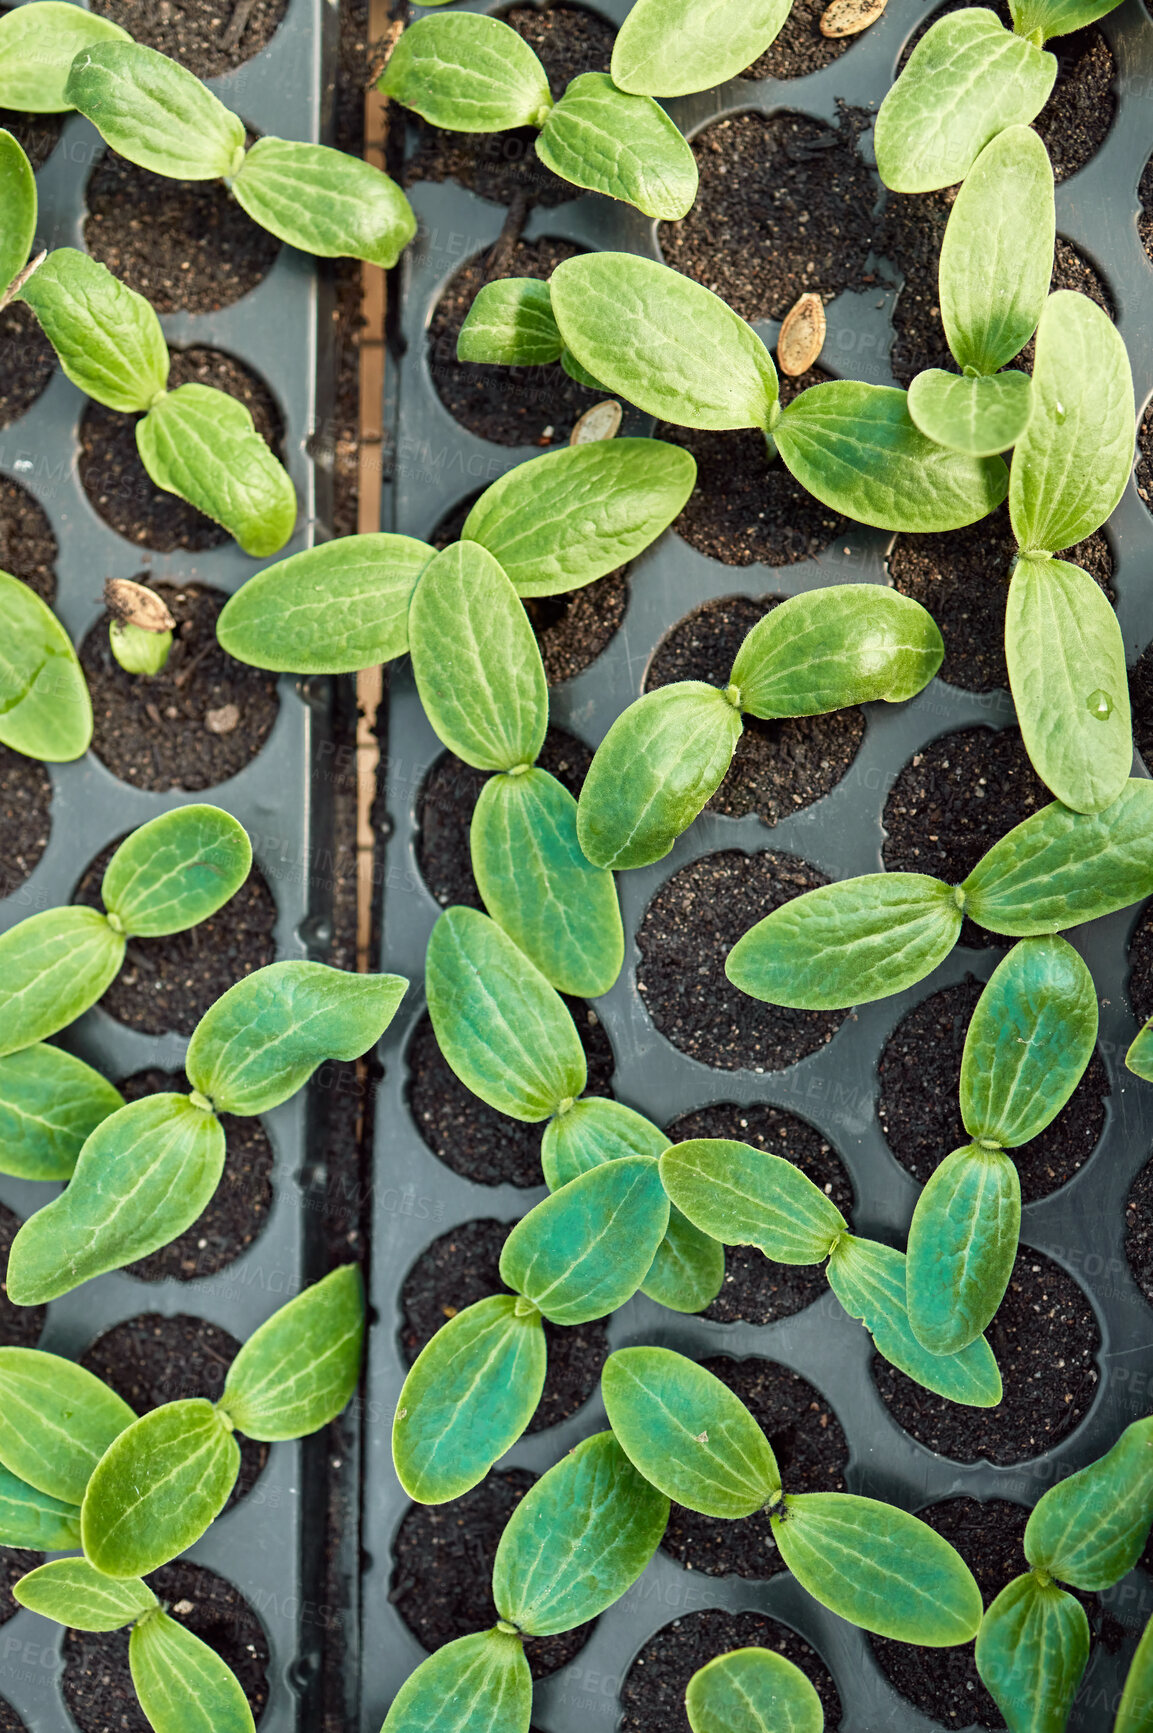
(1056, 17)
(688, 1270)
(53, 966)
(176, 871)
(49, 1103)
(1031, 1652)
(1090, 1529)
(577, 1540)
(299, 1369)
(332, 609)
(74, 1593)
(37, 48)
(978, 416)
(593, 1131)
(17, 191)
(324, 201)
(33, 1519)
(504, 1031)
(468, 73)
(1066, 661)
(470, 1394)
(743, 1196)
(752, 1691)
(967, 79)
(857, 449)
(477, 664)
(879, 1567)
(624, 146)
(202, 444)
(558, 521)
(1135, 1714)
(847, 943)
(107, 337)
(1139, 1058)
(56, 1421)
(45, 710)
(510, 324)
(155, 112)
(869, 1281)
(182, 1684)
(143, 1176)
(573, 368)
(676, 47)
(661, 761)
(687, 1433)
(476, 1682)
(1073, 460)
(962, 1243)
(663, 342)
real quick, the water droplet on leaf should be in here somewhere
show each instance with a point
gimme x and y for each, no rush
(1100, 705)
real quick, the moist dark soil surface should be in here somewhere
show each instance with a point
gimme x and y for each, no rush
(96, 1680)
(10, 1722)
(1045, 1338)
(653, 1691)
(756, 1290)
(1141, 702)
(688, 930)
(1141, 966)
(207, 36)
(463, 1266)
(445, 808)
(28, 547)
(1139, 1230)
(25, 817)
(442, 1576)
(150, 1360)
(15, 1562)
(473, 1138)
(1145, 458)
(27, 361)
(799, 47)
(193, 725)
(20, 1326)
(778, 767)
(920, 1073)
(1145, 219)
(811, 1452)
(116, 482)
(166, 985)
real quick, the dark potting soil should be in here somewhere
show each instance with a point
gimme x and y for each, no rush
(20, 1326)
(503, 167)
(785, 206)
(10, 1722)
(238, 1210)
(799, 47)
(1139, 1230)
(688, 930)
(778, 767)
(96, 1681)
(918, 1108)
(445, 807)
(756, 1290)
(193, 725)
(27, 361)
(463, 1266)
(653, 1690)
(15, 1562)
(1145, 458)
(207, 36)
(469, 1136)
(28, 547)
(1046, 1340)
(1141, 966)
(25, 817)
(1141, 703)
(119, 488)
(1145, 217)
(149, 1360)
(442, 1574)
(811, 1452)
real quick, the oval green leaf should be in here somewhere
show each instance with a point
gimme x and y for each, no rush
(593, 1131)
(752, 1691)
(324, 201)
(56, 1421)
(153, 111)
(17, 190)
(688, 1270)
(475, 1682)
(49, 1103)
(107, 337)
(743, 1196)
(468, 73)
(962, 1243)
(1139, 1058)
(37, 50)
(1090, 1529)
(1135, 1714)
(510, 324)
(973, 415)
(1056, 17)
(1031, 1652)
(53, 966)
(182, 1684)
(626, 147)
(74, 1593)
(176, 870)
(45, 710)
(300, 1368)
(35, 1520)
(676, 47)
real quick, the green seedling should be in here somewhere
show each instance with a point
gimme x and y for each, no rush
(38, 44)
(752, 1691)
(677, 47)
(1135, 1710)
(50, 1103)
(45, 710)
(141, 627)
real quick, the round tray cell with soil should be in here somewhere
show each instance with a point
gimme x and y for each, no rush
(756, 1290)
(119, 487)
(799, 47)
(207, 36)
(689, 929)
(918, 1103)
(28, 545)
(653, 1689)
(193, 725)
(1046, 1341)
(442, 1571)
(20, 1326)
(778, 767)
(25, 817)
(96, 1680)
(29, 361)
(462, 1267)
(811, 1452)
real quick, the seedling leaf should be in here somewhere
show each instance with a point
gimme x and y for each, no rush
(468, 73)
(182, 1684)
(37, 50)
(1136, 1710)
(478, 1681)
(53, 966)
(107, 337)
(56, 1421)
(599, 137)
(154, 112)
(1090, 1529)
(74, 1593)
(324, 201)
(33, 1519)
(510, 324)
(977, 416)
(300, 1368)
(962, 1243)
(45, 710)
(688, 1270)
(176, 871)
(593, 1131)
(1031, 1652)
(17, 188)
(49, 1103)
(676, 47)
(752, 1691)
(743, 1196)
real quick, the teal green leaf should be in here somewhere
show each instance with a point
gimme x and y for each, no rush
(300, 1368)
(49, 1103)
(468, 73)
(624, 146)
(53, 966)
(1059, 868)
(470, 1394)
(558, 521)
(1139, 1058)
(176, 870)
(153, 111)
(688, 1434)
(324, 201)
(978, 416)
(1135, 1714)
(962, 1243)
(826, 649)
(661, 761)
(847, 943)
(74, 1593)
(1056, 17)
(510, 324)
(476, 660)
(1073, 460)
(1031, 1652)
(56, 1421)
(878, 1567)
(143, 1176)
(967, 79)
(675, 47)
(858, 450)
(332, 609)
(36, 1520)
(689, 1267)
(752, 1691)
(476, 1682)
(1090, 1529)
(593, 1131)
(17, 191)
(45, 710)
(743, 1196)
(202, 444)
(107, 337)
(577, 1540)
(504, 1031)
(537, 883)
(182, 1684)
(869, 1281)
(663, 342)
(31, 79)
